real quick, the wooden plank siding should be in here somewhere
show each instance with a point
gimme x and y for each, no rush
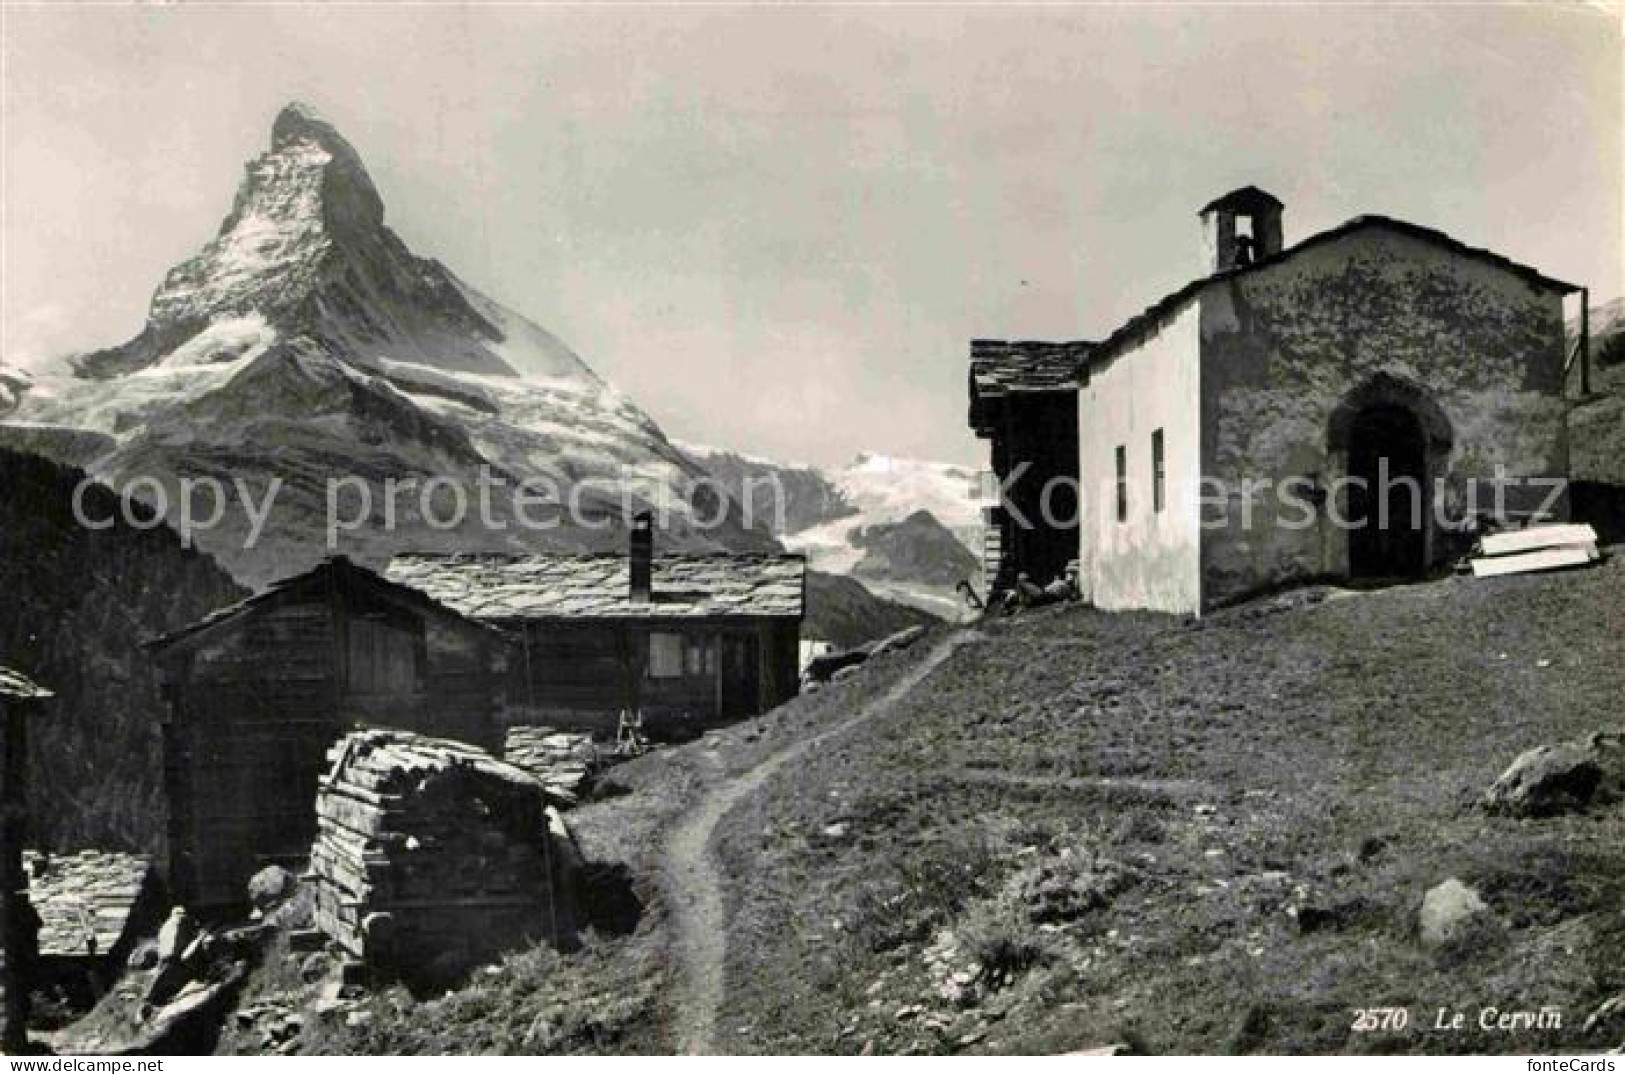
(582, 674)
(256, 700)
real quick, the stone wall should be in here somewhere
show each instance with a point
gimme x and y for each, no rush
(1284, 345)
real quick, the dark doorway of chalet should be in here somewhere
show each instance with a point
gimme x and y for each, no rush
(740, 678)
(1387, 457)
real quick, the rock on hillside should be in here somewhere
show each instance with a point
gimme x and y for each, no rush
(77, 604)
(307, 342)
(14, 384)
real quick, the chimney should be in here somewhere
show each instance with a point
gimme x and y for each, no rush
(1240, 228)
(640, 558)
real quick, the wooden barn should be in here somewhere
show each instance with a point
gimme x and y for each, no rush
(688, 641)
(19, 927)
(260, 690)
(1024, 401)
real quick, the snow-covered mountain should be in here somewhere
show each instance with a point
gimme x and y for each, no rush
(838, 518)
(306, 343)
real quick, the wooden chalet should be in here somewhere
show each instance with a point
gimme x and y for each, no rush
(684, 640)
(19, 928)
(259, 691)
(1024, 402)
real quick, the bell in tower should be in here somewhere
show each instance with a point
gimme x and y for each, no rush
(1242, 227)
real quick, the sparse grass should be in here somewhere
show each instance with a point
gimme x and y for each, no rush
(600, 999)
(1209, 782)
(913, 896)
(1324, 756)
(1002, 941)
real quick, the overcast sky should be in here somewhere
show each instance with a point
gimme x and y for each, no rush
(777, 229)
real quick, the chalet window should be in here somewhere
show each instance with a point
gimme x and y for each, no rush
(1159, 473)
(1122, 483)
(701, 657)
(383, 658)
(665, 656)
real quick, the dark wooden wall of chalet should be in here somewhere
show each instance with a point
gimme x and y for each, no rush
(457, 696)
(575, 674)
(1041, 428)
(255, 706)
(781, 662)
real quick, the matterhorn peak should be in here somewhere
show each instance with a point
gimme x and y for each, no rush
(305, 252)
(300, 128)
(298, 117)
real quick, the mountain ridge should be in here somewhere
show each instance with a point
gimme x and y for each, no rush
(306, 343)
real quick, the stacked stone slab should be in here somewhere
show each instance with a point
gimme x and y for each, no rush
(433, 857)
(91, 903)
(564, 761)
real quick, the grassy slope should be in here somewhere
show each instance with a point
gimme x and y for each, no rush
(1365, 721)
(612, 996)
(1287, 755)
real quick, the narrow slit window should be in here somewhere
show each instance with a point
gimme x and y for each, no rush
(1159, 473)
(1122, 483)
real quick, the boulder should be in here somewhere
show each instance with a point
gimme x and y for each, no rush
(1450, 911)
(1549, 780)
(270, 887)
(899, 641)
(823, 668)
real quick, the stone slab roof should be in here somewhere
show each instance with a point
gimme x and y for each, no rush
(498, 588)
(336, 571)
(16, 685)
(85, 896)
(1132, 330)
(1029, 365)
(999, 368)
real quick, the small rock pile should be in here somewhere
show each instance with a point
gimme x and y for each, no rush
(564, 761)
(92, 903)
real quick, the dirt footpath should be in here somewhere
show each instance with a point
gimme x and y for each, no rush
(693, 885)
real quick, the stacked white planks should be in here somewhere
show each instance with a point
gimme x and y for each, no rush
(1538, 548)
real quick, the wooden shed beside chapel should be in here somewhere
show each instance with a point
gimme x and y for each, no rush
(1024, 402)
